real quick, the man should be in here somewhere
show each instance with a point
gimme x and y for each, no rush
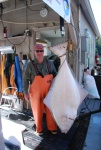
(39, 73)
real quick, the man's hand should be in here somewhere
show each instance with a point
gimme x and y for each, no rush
(26, 96)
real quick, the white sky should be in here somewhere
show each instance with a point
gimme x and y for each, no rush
(96, 7)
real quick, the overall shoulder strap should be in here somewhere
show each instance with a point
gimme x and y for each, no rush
(36, 69)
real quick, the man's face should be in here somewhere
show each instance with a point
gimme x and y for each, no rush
(39, 54)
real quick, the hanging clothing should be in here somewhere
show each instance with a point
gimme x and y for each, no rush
(12, 79)
(16, 79)
(7, 68)
(24, 64)
(37, 95)
(4, 80)
(17, 74)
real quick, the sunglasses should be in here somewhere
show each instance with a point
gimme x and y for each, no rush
(37, 51)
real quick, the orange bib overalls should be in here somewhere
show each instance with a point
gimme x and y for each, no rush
(38, 90)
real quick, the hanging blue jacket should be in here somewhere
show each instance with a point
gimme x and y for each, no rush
(18, 74)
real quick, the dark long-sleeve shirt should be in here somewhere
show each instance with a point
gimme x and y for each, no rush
(30, 72)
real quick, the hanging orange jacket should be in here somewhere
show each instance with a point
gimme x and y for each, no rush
(4, 80)
(38, 90)
(12, 80)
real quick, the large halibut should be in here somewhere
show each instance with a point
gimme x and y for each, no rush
(65, 95)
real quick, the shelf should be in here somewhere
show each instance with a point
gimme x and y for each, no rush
(13, 38)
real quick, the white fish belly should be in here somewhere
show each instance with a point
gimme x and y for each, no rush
(65, 98)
